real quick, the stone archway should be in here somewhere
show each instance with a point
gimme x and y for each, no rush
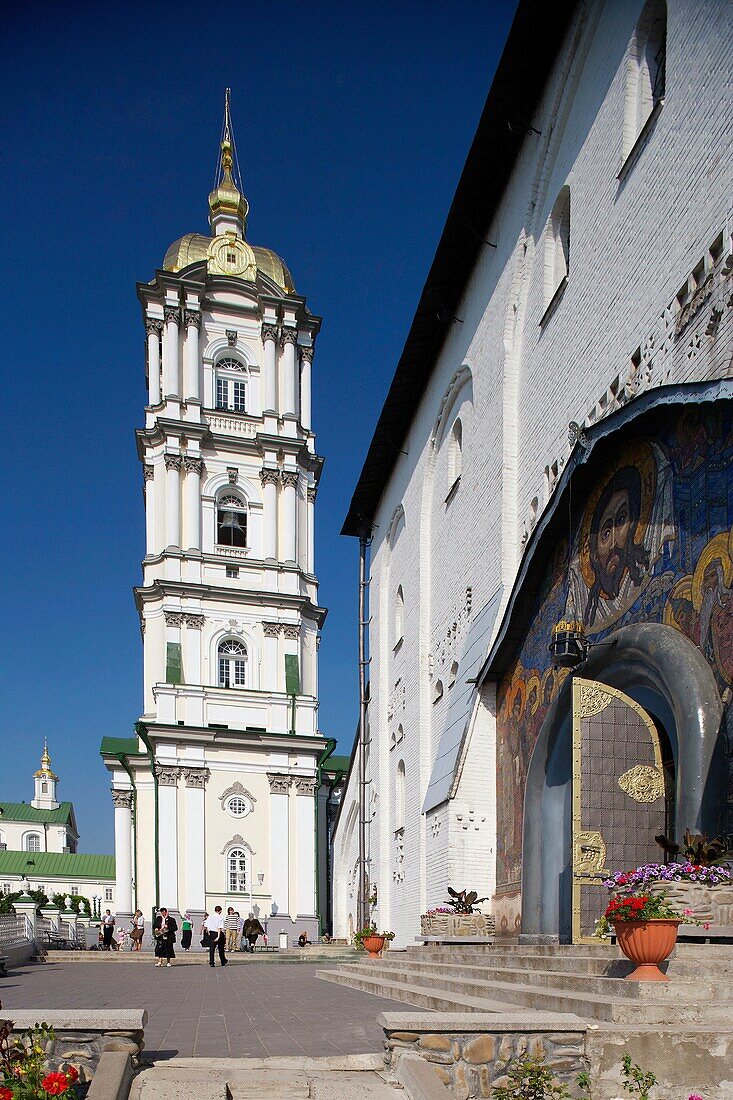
(665, 673)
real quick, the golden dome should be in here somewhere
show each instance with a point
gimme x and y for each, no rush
(44, 771)
(194, 247)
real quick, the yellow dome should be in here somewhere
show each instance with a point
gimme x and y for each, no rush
(194, 247)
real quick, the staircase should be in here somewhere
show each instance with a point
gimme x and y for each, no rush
(585, 980)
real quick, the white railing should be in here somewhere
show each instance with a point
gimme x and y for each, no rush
(232, 423)
(14, 929)
(67, 930)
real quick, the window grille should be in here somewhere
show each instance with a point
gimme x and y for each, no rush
(33, 843)
(232, 664)
(237, 871)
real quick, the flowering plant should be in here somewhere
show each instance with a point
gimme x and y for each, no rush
(438, 910)
(642, 907)
(669, 872)
(370, 930)
(23, 1075)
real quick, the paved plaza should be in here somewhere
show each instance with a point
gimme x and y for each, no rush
(254, 1010)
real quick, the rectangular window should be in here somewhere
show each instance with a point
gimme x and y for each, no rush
(173, 663)
(292, 674)
(222, 394)
(239, 391)
(108, 893)
(232, 571)
(224, 672)
(73, 890)
(239, 668)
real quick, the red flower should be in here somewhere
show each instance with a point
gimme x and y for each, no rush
(54, 1083)
(6, 1094)
(72, 1073)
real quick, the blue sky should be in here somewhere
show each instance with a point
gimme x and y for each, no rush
(352, 122)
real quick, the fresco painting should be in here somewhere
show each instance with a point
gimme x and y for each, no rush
(653, 543)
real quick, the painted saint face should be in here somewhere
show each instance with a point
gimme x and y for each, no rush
(531, 698)
(612, 539)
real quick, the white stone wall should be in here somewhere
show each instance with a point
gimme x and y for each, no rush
(517, 376)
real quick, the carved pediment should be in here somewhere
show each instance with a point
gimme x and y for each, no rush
(237, 788)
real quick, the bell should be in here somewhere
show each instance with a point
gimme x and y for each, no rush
(230, 521)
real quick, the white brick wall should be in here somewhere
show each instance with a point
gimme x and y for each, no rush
(634, 242)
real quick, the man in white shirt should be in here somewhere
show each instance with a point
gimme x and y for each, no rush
(214, 925)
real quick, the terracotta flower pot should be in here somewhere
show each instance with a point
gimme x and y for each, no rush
(646, 943)
(373, 944)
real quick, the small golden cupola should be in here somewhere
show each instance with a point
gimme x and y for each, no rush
(45, 783)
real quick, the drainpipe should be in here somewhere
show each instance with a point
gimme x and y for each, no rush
(362, 899)
(123, 761)
(330, 746)
(142, 734)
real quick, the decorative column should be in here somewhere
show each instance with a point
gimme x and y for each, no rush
(168, 836)
(289, 479)
(173, 465)
(269, 339)
(149, 491)
(171, 370)
(306, 363)
(122, 801)
(192, 502)
(153, 329)
(25, 906)
(270, 661)
(310, 564)
(305, 788)
(270, 479)
(288, 338)
(192, 323)
(192, 647)
(195, 893)
(280, 844)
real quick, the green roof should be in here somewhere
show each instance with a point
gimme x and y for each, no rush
(127, 746)
(337, 764)
(63, 864)
(23, 811)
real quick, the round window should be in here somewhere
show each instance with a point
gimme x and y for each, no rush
(238, 807)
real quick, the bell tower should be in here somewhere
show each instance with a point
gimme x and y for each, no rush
(44, 780)
(228, 603)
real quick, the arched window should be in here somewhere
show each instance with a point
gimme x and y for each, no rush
(437, 691)
(646, 73)
(400, 796)
(557, 245)
(32, 842)
(231, 520)
(237, 878)
(231, 388)
(232, 663)
(399, 616)
(455, 453)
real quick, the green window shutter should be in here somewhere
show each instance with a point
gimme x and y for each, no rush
(292, 674)
(173, 663)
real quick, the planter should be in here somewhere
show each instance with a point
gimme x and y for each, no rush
(374, 945)
(457, 925)
(646, 943)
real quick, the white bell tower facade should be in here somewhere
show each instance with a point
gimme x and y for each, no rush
(215, 797)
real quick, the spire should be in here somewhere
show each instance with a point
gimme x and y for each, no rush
(45, 769)
(228, 207)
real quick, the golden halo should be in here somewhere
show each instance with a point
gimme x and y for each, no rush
(717, 548)
(681, 591)
(534, 682)
(518, 672)
(516, 689)
(640, 456)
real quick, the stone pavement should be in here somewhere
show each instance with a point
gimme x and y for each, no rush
(245, 1011)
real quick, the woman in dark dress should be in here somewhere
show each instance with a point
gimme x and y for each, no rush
(164, 933)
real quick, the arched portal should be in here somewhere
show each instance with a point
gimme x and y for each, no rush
(661, 671)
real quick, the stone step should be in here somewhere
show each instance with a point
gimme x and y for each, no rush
(611, 986)
(613, 966)
(437, 992)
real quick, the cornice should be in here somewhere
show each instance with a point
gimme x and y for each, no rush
(161, 588)
(237, 737)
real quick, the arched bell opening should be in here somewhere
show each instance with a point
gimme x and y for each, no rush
(662, 678)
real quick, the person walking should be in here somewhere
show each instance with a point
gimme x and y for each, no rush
(186, 932)
(108, 927)
(252, 929)
(231, 926)
(214, 925)
(164, 932)
(137, 930)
